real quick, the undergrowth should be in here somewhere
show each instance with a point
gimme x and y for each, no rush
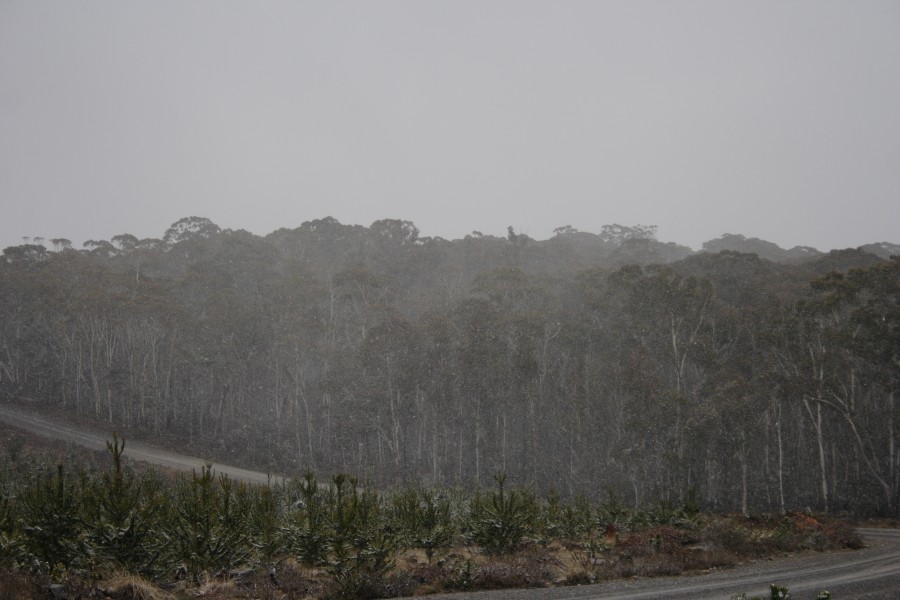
(99, 530)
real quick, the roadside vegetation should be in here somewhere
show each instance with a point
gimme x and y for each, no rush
(109, 531)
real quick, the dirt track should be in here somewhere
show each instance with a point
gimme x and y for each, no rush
(55, 429)
(869, 574)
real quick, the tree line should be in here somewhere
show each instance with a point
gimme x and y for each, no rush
(586, 363)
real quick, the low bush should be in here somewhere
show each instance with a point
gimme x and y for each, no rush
(423, 519)
(362, 549)
(75, 526)
(502, 518)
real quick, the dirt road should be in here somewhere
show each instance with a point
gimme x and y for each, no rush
(869, 574)
(56, 429)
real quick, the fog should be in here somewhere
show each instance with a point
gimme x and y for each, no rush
(769, 119)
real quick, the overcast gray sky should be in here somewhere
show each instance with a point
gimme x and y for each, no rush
(773, 119)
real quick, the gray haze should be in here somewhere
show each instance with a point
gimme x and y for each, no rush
(774, 119)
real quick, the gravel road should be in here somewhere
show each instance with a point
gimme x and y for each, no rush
(53, 428)
(869, 574)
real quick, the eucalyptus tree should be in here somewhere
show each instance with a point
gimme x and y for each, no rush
(390, 392)
(857, 318)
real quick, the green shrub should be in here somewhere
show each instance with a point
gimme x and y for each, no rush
(120, 514)
(307, 532)
(613, 511)
(577, 519)
(779, 592)
(264, 525)
(550, 517)
(362, 547)
(423, 519)
(501, 519)
(10, 535)
(207, 523)
(690, 504)
(51, 522)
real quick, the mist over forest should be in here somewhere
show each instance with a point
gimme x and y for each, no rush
(753, 377)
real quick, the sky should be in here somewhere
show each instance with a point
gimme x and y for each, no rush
(777, 119)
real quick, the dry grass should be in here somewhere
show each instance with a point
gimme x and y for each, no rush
(125, 586)
(465, 569)
(217, 589)
(17, 586)
(290, 581)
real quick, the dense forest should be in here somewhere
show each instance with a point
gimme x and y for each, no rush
(751, 377)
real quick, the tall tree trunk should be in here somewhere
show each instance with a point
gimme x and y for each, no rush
(816, 418)
(781, 506)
